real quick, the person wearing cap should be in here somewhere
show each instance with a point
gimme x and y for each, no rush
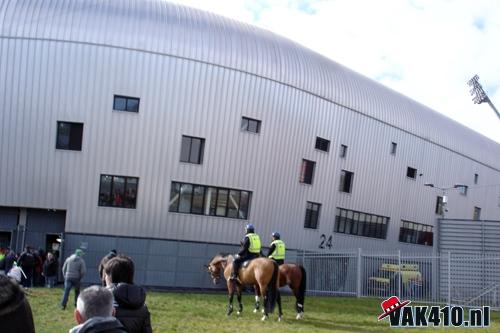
(73, 271)
(277, 249)
(250, 249)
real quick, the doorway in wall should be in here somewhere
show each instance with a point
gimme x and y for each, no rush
(53, 244)
(5, 238)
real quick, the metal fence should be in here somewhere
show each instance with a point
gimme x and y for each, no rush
(445, 278)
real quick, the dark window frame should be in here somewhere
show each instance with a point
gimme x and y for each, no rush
(476, 215)
(343, 151)
(322, 144)
(343, 187)
(199, 158)
(476, 178)
(416, 233)
(127, 100)
(75, 136)
(241, 214)
(248, 128)
(411, 173)
(356, 223)
(112, 202)
(394, 147)
(439, 205)
(311, 221)
(307, 171)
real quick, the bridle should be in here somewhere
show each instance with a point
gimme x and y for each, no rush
(216, 269)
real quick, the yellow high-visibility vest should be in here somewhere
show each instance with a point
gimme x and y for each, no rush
(254, 243)
(279, 250)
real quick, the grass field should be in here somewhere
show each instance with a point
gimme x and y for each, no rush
(190, 312)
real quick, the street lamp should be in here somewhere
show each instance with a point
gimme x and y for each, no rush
(445, 198)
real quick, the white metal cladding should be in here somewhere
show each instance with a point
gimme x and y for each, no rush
(197, 74)
(160, 27)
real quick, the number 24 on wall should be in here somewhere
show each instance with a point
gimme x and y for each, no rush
(325, 243)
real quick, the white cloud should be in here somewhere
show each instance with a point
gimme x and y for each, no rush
(427, 49)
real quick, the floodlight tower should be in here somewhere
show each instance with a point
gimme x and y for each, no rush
(479, 95)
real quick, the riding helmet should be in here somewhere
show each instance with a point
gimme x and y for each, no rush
(249, 227)
(276, 235)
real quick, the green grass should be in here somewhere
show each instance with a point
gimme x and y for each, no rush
(191, 312)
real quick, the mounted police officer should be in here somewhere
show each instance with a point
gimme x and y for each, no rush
(250, 249)
(277, 249)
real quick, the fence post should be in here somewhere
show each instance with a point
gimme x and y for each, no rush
(399, 274)
(358, 275)
(449, 278)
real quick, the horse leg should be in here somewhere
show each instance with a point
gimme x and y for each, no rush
(240, 305)
(230, 289)
(299, 308)
(257, 299)
(278, 300)
(263, 290)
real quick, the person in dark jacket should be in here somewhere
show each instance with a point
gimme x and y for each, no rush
(104, 260)
(15, 311)
(130, 307)
(10, 258)
(94, 312)
(50, 267)
(27, 263)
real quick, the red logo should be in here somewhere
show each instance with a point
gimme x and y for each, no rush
(390, 305)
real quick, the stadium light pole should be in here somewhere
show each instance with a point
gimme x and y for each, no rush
(479, 95)
(445, 198)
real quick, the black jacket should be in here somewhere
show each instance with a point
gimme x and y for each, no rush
(100, 325)
(15, 311)
(50, 267)
(131, 309)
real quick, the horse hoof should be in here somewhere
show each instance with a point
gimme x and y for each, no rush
(264, 317)
(238, 313)
(280, 318)
(263, 311)
(255, 310)
(299, 315)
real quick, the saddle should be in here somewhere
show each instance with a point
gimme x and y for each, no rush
(245, 263)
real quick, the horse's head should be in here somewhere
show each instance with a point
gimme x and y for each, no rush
(216, 268)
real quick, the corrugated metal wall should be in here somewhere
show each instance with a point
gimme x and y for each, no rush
(198, 75)
(469, 237)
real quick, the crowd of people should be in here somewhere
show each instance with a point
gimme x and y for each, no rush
(30, 268)
(117, 306)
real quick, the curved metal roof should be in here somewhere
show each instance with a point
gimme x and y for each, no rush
(160, 27)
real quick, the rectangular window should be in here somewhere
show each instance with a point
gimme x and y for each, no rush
(346, 178)
(125, 103)
(192, 149)
(250, 125)
(360, 224)
(439, 205)
(119, 191)
(307, 171)
(343, 151)
(477, 213)
(209, 200)
(416, 233)
(463, 189)
(69, 135)
(312, 215)
(411, 173)
(394, 146)
(476, 178)
(322, 144)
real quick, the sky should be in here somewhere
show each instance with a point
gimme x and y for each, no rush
(424, 49)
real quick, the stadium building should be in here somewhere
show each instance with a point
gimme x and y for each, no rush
(161, 130)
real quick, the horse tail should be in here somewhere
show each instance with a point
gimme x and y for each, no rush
(302, 288)
(272, 289)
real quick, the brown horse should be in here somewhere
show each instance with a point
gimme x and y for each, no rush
(294, 276)
(261, 272)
